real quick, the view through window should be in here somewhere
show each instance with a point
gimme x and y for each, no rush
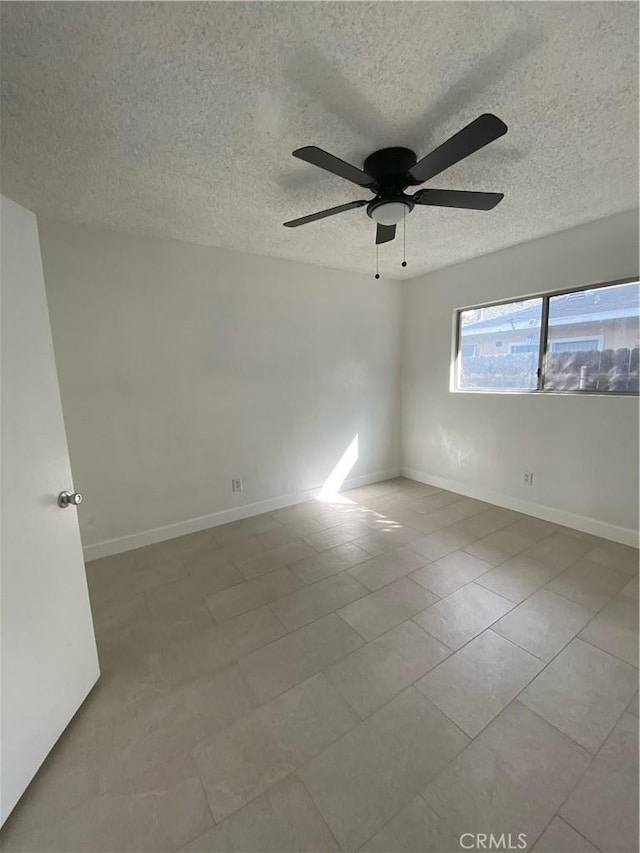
(582, 341)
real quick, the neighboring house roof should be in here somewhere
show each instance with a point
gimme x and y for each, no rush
(586, 306)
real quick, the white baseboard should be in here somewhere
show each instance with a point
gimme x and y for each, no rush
(624, 535)
(193, 525)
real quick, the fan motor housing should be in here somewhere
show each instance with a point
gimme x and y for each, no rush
(390, 164)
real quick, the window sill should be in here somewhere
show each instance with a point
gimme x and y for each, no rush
(539, 393)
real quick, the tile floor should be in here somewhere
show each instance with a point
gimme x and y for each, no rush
(383, 673)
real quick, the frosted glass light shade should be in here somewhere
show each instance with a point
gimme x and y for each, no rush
(390, 213)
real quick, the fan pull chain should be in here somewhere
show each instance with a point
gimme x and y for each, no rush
(404, 239)
(377, 275)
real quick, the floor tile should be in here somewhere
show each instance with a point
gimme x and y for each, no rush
(335, 516)
(615, 629)
(182, 595)
(615, 556)
(415, 829)
(375, 613)
(148, 749)
(444, 517)
(329, 562)
(361, 781)
(221, 556)
(446, 575)
(517, 578)
(440, 543)
(267, 745)
(604, 805)
(228, 534)
(630, 590)
(532, 528)
(377, 672)
(193, 543)
(435, 501)
(373, 522)
(559, 837)
(582, 692)
(159, 552)
(511, 779)
(118, 615)
(261, 563)
(124, 773)
(282, 820)
(142, 580)
(68, 777)
(310, 603)
(587, 583)
(274, 558)
(172, 549)
(160, 820)
(413, 490)
(544, 623)
(214, 701)
(299, 512)
(107, 567)
(388, 538)
(220, 645)
(329, 538)
(499, 546)
(559, 550)
(179, 608)
(297, 656)
(212, 579)
(463, 615)
(470, 506)
(284, 533)
(424, 523)
(487, 522)
(251, 594)
(475, 684)
(379, 571)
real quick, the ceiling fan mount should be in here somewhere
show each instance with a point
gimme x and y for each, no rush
(388, 172)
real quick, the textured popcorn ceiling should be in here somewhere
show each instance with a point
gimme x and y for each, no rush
(178, 119)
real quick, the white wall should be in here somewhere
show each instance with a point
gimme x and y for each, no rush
(582, 450)
(183, 366)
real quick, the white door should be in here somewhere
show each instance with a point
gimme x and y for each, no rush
(48, 652)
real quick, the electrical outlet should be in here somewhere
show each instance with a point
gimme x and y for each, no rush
(236, 485)
(528, 478)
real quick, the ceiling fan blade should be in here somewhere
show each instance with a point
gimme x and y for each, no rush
(324, 160)
(458, 198)
(330, 211)
(384, 233)
(474, 136)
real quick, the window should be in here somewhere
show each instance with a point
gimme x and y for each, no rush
(468, 350)
(530, 346)
(574, 345)
(582, 341)
(497, 350)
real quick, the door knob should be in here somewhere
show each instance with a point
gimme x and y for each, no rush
(66, 498)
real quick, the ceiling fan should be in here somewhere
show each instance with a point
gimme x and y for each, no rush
(389, 172)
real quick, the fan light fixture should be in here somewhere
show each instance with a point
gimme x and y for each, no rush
(390, 213)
